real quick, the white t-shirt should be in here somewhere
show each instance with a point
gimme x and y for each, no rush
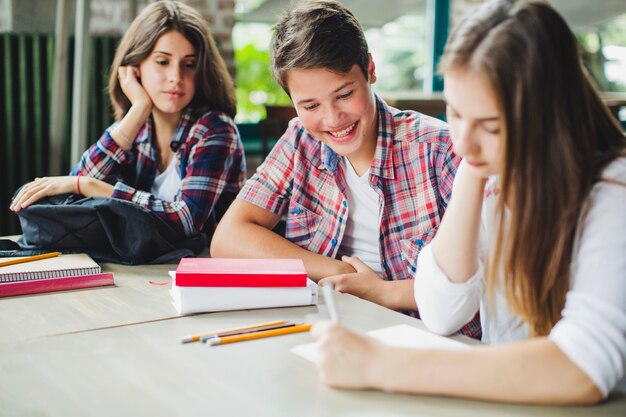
(592, 330)
(361, 236)
(167, 184)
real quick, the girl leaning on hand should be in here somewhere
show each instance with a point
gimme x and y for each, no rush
(174, 148)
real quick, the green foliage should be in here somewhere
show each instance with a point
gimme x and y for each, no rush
(255, 85)
(614, 32)
(399, 63)
(592, 44)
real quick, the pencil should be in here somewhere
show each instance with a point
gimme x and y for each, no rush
(258, 335)
(198, 337)
(30, 258)
(204, 339)
(329, 300)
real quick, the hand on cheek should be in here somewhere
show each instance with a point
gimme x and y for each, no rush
(130, 83)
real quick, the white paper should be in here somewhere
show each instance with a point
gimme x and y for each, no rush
(401, 335)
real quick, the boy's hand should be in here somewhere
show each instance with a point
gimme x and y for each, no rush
(364, 283)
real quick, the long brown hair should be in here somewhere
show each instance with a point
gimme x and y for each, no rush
(214, 86)
(558, 136)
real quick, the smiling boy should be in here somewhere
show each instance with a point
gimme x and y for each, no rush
(362, 186)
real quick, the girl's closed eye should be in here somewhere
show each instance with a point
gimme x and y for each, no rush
(492, 129)
(311, 107)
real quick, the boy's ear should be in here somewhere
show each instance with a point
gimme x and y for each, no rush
(371, 70)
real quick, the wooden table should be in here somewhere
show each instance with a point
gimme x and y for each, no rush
(115, 351)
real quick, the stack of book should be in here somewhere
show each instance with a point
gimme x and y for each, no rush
(203, 285)
(50, 272)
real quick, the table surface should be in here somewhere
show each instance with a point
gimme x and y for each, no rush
(115, 351)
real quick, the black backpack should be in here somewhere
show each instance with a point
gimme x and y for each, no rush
(108, 229)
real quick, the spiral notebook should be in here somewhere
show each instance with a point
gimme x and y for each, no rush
(58, 267)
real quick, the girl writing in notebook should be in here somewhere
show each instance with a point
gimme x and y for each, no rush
(174, 148)
(534, 234)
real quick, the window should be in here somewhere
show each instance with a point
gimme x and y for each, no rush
(604, 54)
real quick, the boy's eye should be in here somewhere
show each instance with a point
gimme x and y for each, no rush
(345, 95)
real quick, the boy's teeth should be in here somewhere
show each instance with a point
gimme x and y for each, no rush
(343, 132)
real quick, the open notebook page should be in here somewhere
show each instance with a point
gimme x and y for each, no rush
(401, 335)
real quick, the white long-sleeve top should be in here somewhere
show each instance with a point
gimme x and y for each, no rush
(592, 330)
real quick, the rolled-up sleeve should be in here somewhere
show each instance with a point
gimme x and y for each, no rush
(104, 159)
(270, 187)
(444, 306)
(592, 330)
(214, 164)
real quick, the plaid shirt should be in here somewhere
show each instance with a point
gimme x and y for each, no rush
(210, 162)
(412, 172)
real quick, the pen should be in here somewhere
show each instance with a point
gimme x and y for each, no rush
(30, 258)
(198, 337)
(204, 339)
(329, 299)
(258, 335)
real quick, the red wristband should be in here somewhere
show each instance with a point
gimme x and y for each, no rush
(78, 185)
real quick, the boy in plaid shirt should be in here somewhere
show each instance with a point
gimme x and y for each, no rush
(362, 186)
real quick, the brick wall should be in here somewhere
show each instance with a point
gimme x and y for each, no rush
(6, 18)
(27, 15)
(113, 17)
(461, 8)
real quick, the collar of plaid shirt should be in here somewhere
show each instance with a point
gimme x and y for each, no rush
(180, 134)
(382, 165)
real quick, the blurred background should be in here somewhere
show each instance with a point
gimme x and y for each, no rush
(56, 55)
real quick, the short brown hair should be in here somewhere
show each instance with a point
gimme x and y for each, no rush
(214, 86)
(318, 34)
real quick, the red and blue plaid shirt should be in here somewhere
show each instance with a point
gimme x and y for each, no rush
(412, 172)
(210, 162)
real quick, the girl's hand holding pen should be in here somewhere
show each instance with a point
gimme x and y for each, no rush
(344, 356)
(346, 359)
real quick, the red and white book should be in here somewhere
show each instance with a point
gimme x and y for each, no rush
(191, 300)
(33, 286)
(230, 272)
